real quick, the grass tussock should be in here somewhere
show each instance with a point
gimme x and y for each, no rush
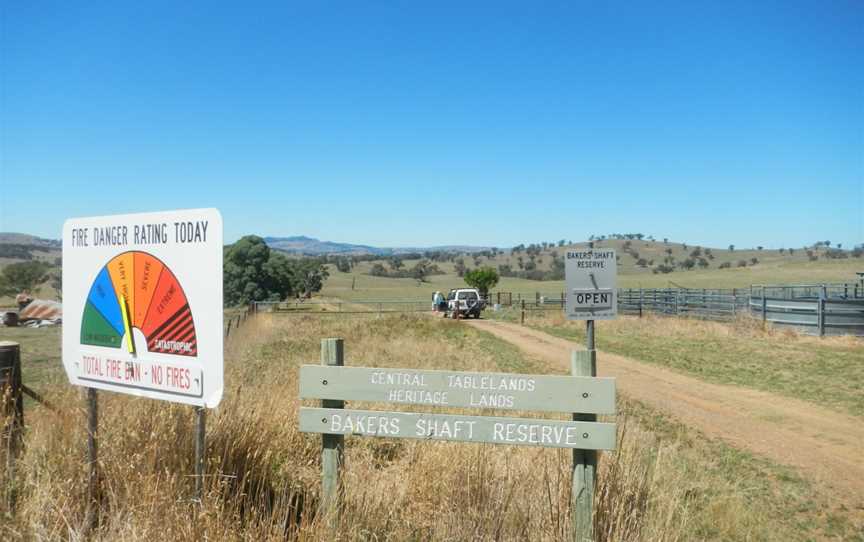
(263, 476)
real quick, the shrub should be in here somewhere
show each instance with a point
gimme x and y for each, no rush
(482, 278)
(18, 277)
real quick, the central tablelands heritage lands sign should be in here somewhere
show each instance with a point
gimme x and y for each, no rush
(508, 391)
(591, 281)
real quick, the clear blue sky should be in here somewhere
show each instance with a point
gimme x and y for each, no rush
(419, 123)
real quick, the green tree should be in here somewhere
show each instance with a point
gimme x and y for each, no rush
(245, 278)
(252, 272)
(482, 278)
(310, 276)
(18, 277)
(421, 270)
(56, 282)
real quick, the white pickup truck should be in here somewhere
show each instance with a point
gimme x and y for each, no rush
(464, 303)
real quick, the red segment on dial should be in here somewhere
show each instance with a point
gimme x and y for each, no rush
(168, 298)
(176, 335)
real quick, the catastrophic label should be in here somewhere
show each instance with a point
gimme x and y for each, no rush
(142, 303)
(591, 281)
(508, 391)
(512, 431)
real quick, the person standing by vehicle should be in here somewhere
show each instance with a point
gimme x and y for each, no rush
(437, 298)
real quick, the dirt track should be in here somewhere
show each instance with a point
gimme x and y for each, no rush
(824, 446)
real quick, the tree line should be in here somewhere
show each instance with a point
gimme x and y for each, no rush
(254, 272)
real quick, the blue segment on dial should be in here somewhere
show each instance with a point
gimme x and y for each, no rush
(104, 298)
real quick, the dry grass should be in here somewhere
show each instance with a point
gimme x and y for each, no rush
(828, 371)
(263, 475)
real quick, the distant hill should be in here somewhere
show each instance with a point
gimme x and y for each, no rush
(22, 247)
(301, 244)
(12, 238)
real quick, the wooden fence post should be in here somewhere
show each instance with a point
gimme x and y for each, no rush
(11, 391)
(522, 320)
(734, 302)
(764, 309)
(332, 453)
(584, 468)
(820, 311)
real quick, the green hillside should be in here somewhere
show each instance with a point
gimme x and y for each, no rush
(722, 268)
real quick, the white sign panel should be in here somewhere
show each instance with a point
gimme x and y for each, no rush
(592, 284)
(142, 304)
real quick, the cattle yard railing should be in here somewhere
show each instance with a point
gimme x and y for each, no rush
(817, 309)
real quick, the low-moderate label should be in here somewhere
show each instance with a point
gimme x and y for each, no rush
(491, 430)
(509, 391)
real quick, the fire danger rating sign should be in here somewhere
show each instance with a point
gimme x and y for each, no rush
(143, 304)
(591, 281)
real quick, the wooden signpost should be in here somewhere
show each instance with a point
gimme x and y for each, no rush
(583, 395)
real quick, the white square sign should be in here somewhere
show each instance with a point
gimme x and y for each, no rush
(591, 278)
(142, 304)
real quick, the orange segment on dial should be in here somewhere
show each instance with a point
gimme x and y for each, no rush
(121, 269)
(148, 269)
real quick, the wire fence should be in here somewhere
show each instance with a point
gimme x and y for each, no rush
(819, 309)
(338, 306)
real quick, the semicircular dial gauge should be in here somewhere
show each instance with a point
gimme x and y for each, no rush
(135, 290)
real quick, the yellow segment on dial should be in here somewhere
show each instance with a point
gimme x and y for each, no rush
(127, 323)
(122, 268)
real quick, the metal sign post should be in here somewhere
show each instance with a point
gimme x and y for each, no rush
(592, 294)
